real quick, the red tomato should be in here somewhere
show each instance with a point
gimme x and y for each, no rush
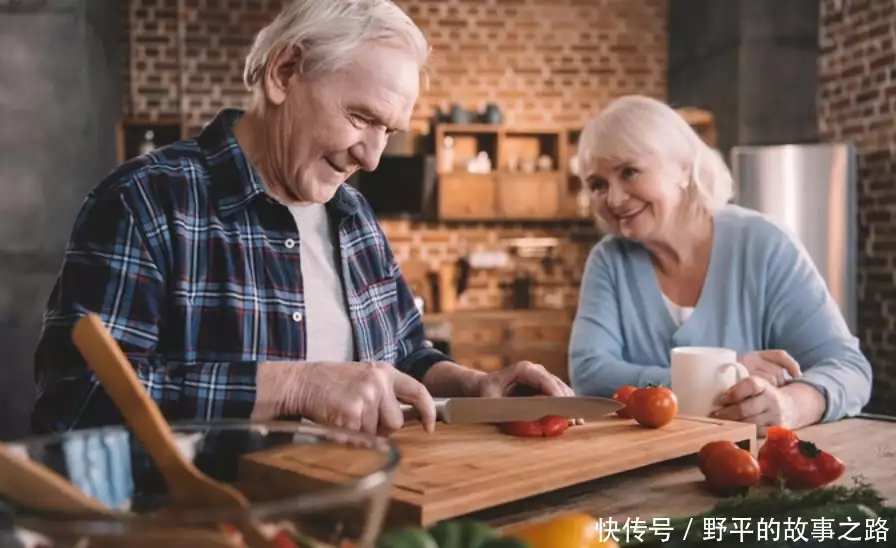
(622, 396)
(282, 540)
(552, 426)
(731, 471)
(707, 450)
(548, 427)
(653, 406)
(522, 429)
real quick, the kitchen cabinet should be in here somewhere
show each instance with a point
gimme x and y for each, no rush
(516, 173)
(529, 195)
(489, 340)
(467, 196)
(489, 172)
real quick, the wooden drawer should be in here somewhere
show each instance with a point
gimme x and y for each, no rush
(466, 196)
(480, 333)
(529, 195)
(555, 333)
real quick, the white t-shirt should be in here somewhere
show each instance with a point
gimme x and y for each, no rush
(327, 324)
(679, 313)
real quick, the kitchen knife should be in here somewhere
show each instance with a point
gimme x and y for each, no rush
(489, 410)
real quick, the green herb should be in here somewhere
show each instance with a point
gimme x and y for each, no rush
(854, 503)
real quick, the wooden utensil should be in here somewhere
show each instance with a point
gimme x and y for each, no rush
(187, 486)
(32, 485)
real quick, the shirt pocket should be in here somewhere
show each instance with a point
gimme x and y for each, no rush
(376, 307)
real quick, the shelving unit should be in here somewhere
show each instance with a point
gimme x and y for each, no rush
(132, 131)
(522, 181)
(516, 187)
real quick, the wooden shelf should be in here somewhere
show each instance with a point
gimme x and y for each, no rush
(525, 178)
(131, 132)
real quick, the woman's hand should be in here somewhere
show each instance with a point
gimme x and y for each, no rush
(775, 366)
(756, 400)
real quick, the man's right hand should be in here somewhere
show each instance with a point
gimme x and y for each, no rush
(363, 397)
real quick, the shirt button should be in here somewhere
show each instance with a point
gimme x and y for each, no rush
(296, 316)
(289, 243)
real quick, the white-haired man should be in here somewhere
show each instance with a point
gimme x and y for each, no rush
(239, 273)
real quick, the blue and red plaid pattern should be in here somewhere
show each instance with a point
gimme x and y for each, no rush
(195, 271)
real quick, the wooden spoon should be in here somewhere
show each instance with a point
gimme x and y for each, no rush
(187, 486)
(32, 485)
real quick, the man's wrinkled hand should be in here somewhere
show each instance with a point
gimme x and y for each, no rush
(362, 397)
(522, 375)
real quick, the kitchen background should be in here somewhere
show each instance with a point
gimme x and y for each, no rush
(495, 252)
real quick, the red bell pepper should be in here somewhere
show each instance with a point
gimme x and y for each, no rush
(798, 463)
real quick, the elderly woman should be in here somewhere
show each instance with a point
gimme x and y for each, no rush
(239, 273)
(682, 267)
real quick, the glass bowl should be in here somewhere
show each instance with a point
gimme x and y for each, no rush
(319, 486)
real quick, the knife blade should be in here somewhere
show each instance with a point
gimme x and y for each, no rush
(489, 410)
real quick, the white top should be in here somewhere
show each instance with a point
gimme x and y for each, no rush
(679, 313)
(327, 325)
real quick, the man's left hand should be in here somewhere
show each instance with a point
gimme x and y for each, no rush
(522, 374)
(533, 375)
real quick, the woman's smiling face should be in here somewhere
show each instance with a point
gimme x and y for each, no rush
(637, 198)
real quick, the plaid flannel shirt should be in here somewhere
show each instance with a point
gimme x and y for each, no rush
(195, 271)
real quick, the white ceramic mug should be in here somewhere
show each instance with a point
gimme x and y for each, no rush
(700, 375)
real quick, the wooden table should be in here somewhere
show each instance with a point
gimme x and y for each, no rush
(866, 445)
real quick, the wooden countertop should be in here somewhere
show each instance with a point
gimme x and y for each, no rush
(866, 445)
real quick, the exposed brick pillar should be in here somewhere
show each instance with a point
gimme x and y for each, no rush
(857, 102)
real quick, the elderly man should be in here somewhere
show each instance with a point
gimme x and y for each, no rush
(239, 273)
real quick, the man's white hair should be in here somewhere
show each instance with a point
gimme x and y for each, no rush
(635, 126)
(329, 32)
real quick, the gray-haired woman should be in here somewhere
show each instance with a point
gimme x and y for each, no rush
(683, 267)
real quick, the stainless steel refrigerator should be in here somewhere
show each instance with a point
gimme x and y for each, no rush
(811, 189)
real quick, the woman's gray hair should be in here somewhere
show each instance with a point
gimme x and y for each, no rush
(330, 32)
(635, 126)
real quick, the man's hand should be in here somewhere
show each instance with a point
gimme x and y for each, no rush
(447, 379)
(532, 375)
(356, 396)
(775, 366)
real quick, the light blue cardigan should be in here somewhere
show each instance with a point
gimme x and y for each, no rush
(762, 291)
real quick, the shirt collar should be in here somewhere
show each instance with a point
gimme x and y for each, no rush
(235, 182)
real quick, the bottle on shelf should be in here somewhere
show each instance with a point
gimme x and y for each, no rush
(147, 145)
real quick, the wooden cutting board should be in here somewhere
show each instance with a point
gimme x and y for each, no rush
(464, 468)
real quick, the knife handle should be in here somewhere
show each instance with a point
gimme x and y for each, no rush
(411, 414)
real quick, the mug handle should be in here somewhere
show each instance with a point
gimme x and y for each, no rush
(739, 369)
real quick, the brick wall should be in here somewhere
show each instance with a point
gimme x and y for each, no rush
(857, 102)
(542, 61)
